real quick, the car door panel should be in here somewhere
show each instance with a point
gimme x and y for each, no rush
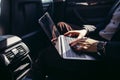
(87, 11)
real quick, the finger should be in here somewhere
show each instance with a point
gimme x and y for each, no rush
(70, 35)
(68, 27)
(61, 27)
(75, 42)
(85, 47)
(67, 33)
(64, 27)
(82, 44)
(70, 32)
(79, 41)
(78, 48)
(82, 39)
(81, 48)
(59, 24)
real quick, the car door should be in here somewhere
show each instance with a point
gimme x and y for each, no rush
(83, 11)
(87, 11)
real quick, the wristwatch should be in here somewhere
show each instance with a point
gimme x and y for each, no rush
(101, 47)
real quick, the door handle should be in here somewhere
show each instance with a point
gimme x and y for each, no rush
(78, 3)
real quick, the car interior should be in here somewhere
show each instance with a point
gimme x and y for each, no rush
(23, 42)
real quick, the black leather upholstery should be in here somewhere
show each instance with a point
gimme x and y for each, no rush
(25, 15)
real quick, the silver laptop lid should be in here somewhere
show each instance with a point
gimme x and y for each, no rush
(49, 26)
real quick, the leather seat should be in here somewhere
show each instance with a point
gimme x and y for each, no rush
(25, 16)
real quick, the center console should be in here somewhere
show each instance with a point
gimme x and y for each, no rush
(15, 61)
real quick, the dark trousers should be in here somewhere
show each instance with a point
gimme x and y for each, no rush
(51, 66)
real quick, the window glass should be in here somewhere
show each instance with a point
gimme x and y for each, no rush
(46, 1)
(0, 7)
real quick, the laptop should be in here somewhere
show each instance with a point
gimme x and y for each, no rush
(61, 42)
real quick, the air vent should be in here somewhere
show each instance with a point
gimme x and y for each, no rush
(10, 55)
(17, 52)
(21, 50)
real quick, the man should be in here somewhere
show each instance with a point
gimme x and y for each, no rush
(100, 43)
(51, 66)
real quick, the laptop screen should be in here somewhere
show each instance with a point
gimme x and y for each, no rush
(48, 26)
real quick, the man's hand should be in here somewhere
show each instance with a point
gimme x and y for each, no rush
(85, 45)
(54, 41)
(76, 33)
(64, 25)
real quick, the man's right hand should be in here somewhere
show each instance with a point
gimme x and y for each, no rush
(76, 33)
(85, 45)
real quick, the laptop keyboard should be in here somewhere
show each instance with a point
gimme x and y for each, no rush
(69, 39)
